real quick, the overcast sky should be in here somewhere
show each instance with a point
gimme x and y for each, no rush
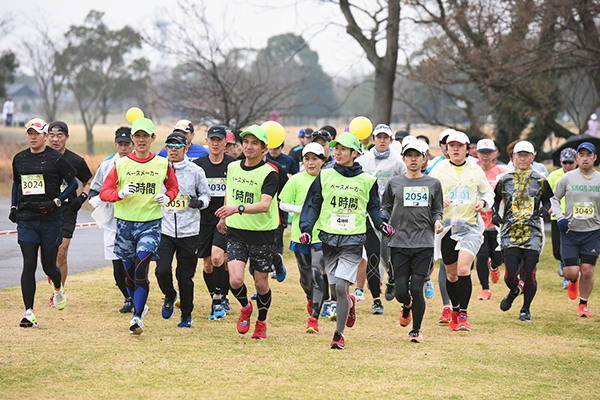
(252, 22)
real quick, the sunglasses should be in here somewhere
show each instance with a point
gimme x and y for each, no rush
(34, 124)
(175, 146)
(568, 162)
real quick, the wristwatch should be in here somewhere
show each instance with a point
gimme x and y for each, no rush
(241, 209)
(57, 202)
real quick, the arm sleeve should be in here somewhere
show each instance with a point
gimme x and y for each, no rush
(437, 208)
(312, 207)
(14, 199)
(374, 206)
(498, 197)
(546, 194)
(202, 189)
(289, 207)
(109, 192)
(171, 183)
(72, 188)
(271, 184)
(559, 193)
(387, 201)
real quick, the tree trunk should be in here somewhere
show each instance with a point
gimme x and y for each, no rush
(89, 140)
(384, 94)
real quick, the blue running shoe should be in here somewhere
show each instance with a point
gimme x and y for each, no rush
(429, 289)
(325, 312)
(560, 269)
(168, 307)
(225, 304)
(186, 322)
(254, 296)
(333, 312)
(218, 311)
(283, 273)
(565, 283)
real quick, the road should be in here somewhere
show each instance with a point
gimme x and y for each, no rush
(86, 252)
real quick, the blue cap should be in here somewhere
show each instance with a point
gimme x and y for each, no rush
(587, 146)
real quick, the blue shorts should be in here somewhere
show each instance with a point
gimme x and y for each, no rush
(47, 233)
(133, 237)
(576, 245)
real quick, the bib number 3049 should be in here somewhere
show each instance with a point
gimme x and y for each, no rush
(583, 210)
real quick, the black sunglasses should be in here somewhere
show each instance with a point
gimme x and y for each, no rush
(568, 162)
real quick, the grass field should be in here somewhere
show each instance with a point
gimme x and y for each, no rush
(86, 350)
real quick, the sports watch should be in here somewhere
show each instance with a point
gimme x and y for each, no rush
(241, 209)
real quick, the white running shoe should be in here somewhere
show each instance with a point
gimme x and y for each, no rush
(136, 325)
(28, 320)
(359, 294)
(60, 299)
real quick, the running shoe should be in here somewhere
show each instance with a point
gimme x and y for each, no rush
(507, 301)
(572, 289)
(260, 330)
(494, 272)
(60, 299)
(561, 266)
(338, 341)
(525, 315)
(463, 322)
(520, 286)
(333, 312)
(583, 311)
(429, 289)
(312, 326)
(280, 275)
(243, 324)
(446, 315)
(453, 324)
(309, 306)
(359, 294)
(28, 320)
(351, 320)
(51, 302)
(485, 295)
(254, 296)
(325, 311)
(127, 307)
(273, 275)
(225, 304)
(186, 322)
(377, 308)
(390, 291)
(405, 316)
(136, 325)
(168, 307)
(565, 284)
(415, 336)
(218, 311)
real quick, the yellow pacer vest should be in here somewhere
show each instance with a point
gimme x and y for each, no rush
(243, 188)
(345, 199)
(149, 177)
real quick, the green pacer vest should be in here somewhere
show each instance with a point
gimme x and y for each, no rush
(149, 176)
(345, 199)
(244, 187)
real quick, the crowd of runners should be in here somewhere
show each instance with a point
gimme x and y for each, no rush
(358, 210)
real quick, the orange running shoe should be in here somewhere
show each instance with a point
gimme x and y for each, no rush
(485, 295)
(404, 321)
(572, 289)
(260, 330)
(415, 336)
(463, 322)
(446, 315)
(313, 325)
(495, 275)
(453, 324)
(583, 311)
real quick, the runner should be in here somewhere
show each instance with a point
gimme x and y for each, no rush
(58, 134)
(194, 151)
(488, 259)
(338, 200)
(180, 231)
(250, 219)
(414, 203)
(526, 195)
(134, 185)
(466, 193)
(580, 224)
(38, 173)
(213, 243)
(308, 256)
(105, 216)
(383, 164)
(567, 163)
(323, 137)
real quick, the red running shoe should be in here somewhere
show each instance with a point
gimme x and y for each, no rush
(463, 322)
(312, 326)
(495, 275)
(338, 341)
(453, 324)
(243, 324)
(260, 330)
(583, 311)
(404, 321)
(446, 315)
(352, 313)
(572, 289)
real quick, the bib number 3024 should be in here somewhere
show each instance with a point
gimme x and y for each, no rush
(32, 184)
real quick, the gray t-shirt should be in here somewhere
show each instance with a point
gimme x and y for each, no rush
(413, 206)
(582, 200)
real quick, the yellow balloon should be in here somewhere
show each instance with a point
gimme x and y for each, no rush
(275, 133)
(134, 113)
(361, 127)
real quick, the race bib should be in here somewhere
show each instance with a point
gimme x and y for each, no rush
(179, 204)
(343, 219)
(583, 210)
(381, 185)
(63, 186)
(522, 208)
(33, 184)
(459, 195)
(416, 196)
(217, 186)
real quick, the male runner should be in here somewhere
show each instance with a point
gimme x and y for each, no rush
(38, 173)
(194, 151)
(135, 186)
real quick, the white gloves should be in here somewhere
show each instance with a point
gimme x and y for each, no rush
(95, 201)
(128, 189)
(162, 199)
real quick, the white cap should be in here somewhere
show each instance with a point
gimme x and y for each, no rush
(444, 134)
(38, 124)
(417, 145)
(486, 145)
(383, 128)
(314, 148)
(458, 136)
(594, 116)
(408, 139)
(524, 145)
(184, 125)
